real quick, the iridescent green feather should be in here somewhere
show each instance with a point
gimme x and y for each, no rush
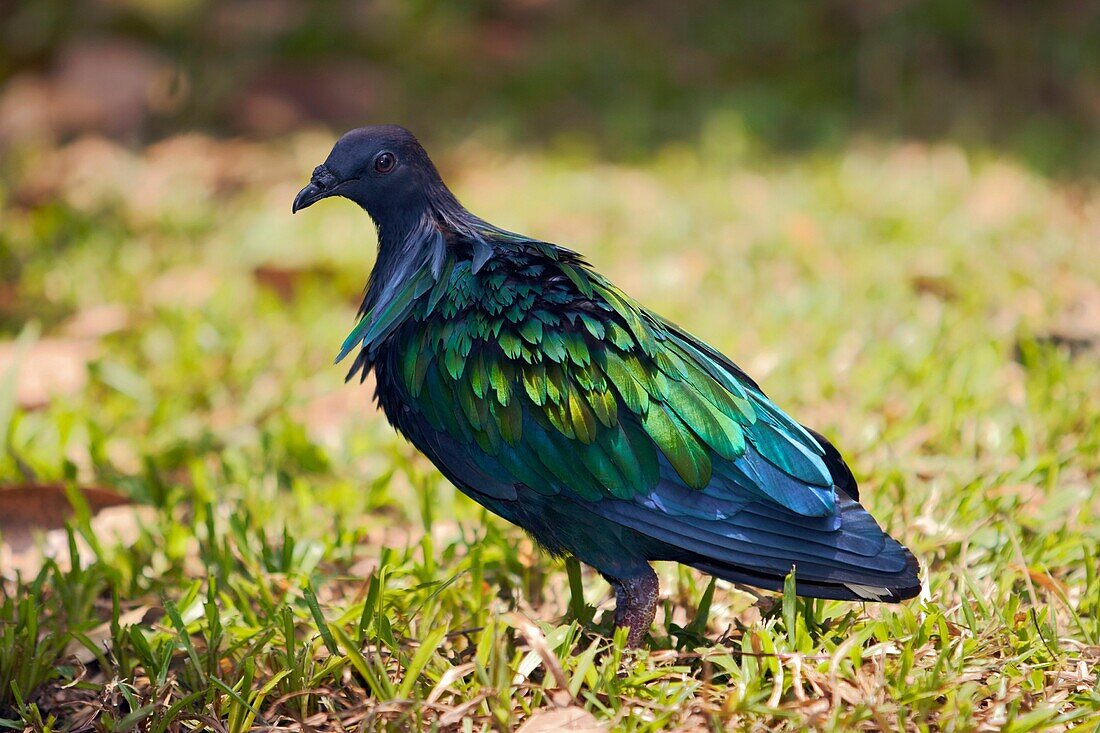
(567, 384)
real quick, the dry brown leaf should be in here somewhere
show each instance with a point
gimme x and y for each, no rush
(32, 510)
(571, 718)
(114, 525)
(537, 642)
(28, 507)
(1047, 582)
(449, 677)
(47, 368)
(936, 285)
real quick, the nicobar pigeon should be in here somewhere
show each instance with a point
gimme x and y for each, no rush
(558, 402)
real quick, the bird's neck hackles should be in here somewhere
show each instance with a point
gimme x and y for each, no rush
(420, 238)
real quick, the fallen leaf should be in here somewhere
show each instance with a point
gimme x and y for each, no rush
(29, 507)
(571, 718)
(1047, 582)
(935, 285)
(537, 642)
(32, 511)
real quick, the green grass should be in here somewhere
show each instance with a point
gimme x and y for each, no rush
(299, 565)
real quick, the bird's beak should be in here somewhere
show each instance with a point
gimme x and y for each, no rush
(311, 193)
(322, 184)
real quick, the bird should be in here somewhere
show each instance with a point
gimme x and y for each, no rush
(555, 400)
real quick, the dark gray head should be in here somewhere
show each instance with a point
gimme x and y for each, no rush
(385, 170)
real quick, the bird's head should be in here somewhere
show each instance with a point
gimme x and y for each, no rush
(384, 169)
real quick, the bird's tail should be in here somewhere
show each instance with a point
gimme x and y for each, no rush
(857, 561)
(876, 587)
(845, 557)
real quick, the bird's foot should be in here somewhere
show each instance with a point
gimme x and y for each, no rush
(636, 604)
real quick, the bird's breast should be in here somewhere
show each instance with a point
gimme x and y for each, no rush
(390, 392)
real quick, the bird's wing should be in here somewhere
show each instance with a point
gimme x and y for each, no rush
(568, 385)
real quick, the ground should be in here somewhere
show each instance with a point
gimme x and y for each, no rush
(289, 562)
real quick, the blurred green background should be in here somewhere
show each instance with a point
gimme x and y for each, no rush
(1011, 74)
(886, 211)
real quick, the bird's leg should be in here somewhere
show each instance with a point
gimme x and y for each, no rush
(636, 604)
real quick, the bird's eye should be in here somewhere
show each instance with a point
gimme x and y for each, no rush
(385, 162)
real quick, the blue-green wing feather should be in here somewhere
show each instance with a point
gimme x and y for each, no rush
(569, 371)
